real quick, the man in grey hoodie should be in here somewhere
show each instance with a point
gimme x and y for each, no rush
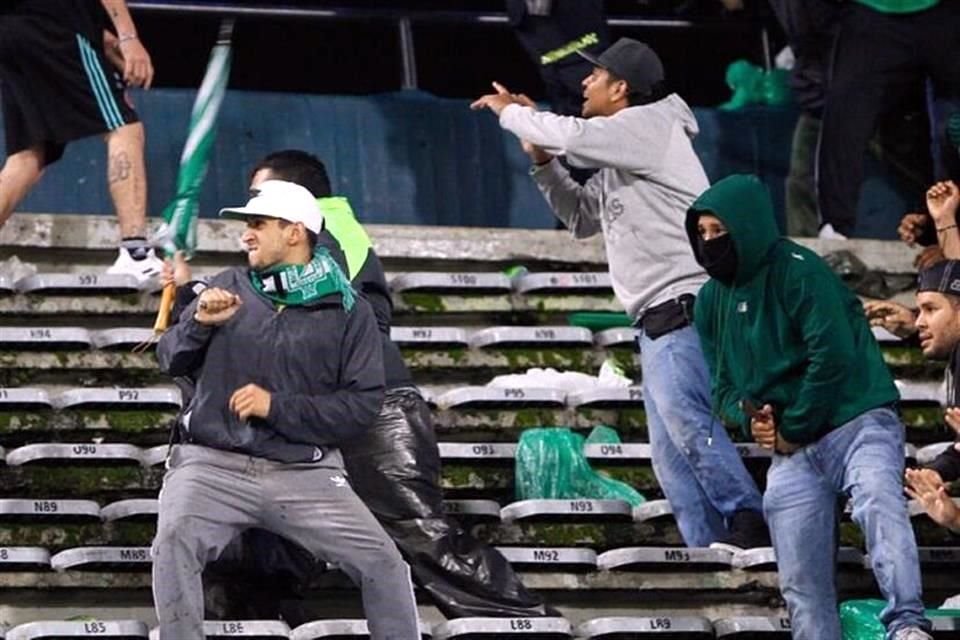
(640, 136)
(288, 364)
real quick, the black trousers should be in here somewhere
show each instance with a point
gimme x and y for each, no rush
(395, 469)
(878, 59)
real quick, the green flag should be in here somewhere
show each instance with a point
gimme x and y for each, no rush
(179, 231)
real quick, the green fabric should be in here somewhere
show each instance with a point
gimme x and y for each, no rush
(860, 619)
(339, 220)
(787, 332)
(899, 6)
(302, 284)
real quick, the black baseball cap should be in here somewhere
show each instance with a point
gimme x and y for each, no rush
(942, 277)
(630, 60)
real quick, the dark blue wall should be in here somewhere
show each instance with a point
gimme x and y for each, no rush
(408, 158)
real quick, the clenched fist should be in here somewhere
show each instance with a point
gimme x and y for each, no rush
(216, 306)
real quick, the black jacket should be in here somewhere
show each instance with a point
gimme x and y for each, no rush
(322, 365)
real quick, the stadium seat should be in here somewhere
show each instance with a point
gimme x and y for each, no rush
(606, 398)
(341, 630)
(945, 627)
(665, 559)
(478, 510)
(58, 629)
(24, 558)
(116, 398)
(44, 338)
(752, 628)
(429, 337)
(19, 510)
(49, 453)
(554, 337)
(567, 282)
(6, 285)
(260, 629)
(637, 628)
(505, 397)
(925, 455)
(498, 628)
(102, 559)
(14, 398)
(145, 509)
(155, 456)
(439, 282)
(616, 337)
(573, 559)
(916, 393)
(123, 338)
(614, 453)
(652, 510)
(578, 510)
(78, 284)
(764, 558)
(478, 451)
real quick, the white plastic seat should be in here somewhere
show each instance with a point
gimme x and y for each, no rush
(658, 626)
(498, 628)
(18, 510)
(572, 559)
(429, 337)
(566, 282)
(49, 453)
(60, 629)
(102, 558)
(78, 284)
(44, 338)
(665, 559)
(439, 282)
(567, 510)
(507, 336)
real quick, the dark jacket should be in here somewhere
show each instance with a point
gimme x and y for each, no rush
(947, 464)
(322, 364)
(787, 332)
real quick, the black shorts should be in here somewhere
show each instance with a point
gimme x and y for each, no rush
(57, 87)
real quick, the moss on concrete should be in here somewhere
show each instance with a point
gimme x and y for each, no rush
(424, 302)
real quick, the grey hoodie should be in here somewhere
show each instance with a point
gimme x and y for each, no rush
(649, 176)
(322, 365)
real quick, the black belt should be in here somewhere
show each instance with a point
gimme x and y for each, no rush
(668, 316)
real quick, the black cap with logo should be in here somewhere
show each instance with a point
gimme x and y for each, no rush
(943, 277)
(632, 61)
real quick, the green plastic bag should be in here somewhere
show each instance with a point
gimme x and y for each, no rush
(752, 85)
(550, 465)
(860, 619)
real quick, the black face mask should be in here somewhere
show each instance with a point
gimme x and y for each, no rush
(719, 258)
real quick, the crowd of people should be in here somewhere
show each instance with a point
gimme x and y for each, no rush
(303, 438)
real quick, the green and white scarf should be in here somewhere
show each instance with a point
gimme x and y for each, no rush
(302, 284)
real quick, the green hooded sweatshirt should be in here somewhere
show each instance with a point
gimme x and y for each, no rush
(787, 332)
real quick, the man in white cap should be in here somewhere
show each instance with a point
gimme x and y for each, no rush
(640, 138)
(288, 365)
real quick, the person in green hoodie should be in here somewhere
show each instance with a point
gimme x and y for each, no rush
(793, 363)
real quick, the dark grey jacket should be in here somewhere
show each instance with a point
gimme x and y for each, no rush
(322, 365)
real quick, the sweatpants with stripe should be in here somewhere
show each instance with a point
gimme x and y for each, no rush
(211, 496)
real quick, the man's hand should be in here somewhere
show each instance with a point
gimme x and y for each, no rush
(926, 487)
(216, 306)
(942, 201)
(912, 226)
(176, 271)
(111, 50)
(895, 318)
(763, 427)
(952, 417)
(250, 400)
(496, 102)
(137, 66)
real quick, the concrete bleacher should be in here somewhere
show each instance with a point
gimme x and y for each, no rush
(84, 422)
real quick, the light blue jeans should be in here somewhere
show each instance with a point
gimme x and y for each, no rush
(862, 459)
(696, 464)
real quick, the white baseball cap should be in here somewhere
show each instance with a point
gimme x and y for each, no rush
(282, 200)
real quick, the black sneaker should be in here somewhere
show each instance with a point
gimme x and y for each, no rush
(747, 531)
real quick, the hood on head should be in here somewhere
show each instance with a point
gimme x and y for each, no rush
(743, 204)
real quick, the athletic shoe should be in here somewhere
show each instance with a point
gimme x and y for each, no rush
(827, 232)
(747, 531)
(143, 270)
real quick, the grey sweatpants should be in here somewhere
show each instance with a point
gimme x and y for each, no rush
(210, 496)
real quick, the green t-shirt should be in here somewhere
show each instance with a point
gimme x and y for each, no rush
(899, 6)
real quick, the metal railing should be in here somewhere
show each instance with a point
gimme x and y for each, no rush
(404, 20)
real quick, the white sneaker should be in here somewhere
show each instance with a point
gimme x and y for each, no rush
(827, 232)
(142, 270)
(912, 633)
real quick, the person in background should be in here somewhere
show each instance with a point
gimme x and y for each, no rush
(57, 88)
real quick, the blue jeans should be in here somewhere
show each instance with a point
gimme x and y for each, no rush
(705, 483)
(862, 459)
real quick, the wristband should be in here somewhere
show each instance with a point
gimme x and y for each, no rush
(946, 228)
(126, 38)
